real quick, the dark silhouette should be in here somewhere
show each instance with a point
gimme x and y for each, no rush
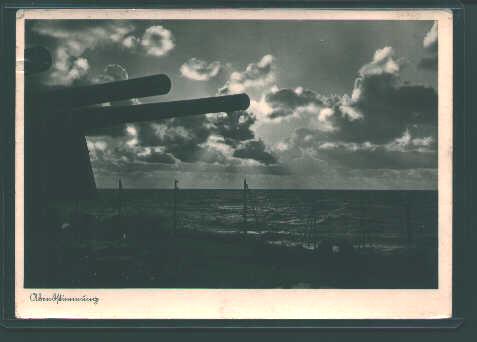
(57, 161)
(245, 205)
(59, 118)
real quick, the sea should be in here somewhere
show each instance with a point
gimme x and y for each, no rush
(386, 221)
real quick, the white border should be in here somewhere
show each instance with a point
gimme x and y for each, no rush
(252, 304)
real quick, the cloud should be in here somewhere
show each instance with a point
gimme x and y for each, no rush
(233, 127)
(199, 70)
(379, 108)
(383, 63)
(69, 70)
(131, 42)
(224, 138)
(113, 156)
(388, 108)
(157, 41)
(406, 143)
(200, 139)
(255, 150)
(430, 44)
(255, 75)
(212, 138)
(73, 43)
(404, 152)
(127, 156)
(290, 102)
(111, 73)
(181, 137)
(155, 156)
(383, 123)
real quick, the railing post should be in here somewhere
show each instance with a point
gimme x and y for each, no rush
(245, 204)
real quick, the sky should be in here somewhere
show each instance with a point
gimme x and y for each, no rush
(334, 104)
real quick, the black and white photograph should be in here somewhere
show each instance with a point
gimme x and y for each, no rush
(192, 153)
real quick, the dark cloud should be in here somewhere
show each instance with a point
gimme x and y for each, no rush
(215, 138)
(286, 101)
(383, 124)
(234, 127)
(387, 109)
(181, 137)
(379, 109)
(366, 126)
(187, 139)
(255, 150)
(378, 76)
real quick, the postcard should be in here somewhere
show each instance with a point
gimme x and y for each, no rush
(233, 164)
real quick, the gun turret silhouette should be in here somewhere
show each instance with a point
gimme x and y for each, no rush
(58, 120)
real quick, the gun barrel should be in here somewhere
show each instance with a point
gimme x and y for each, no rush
(92, 118)
(106, 92)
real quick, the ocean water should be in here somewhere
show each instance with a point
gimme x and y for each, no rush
(385, 220)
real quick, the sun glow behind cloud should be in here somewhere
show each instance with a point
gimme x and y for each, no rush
(382, 123)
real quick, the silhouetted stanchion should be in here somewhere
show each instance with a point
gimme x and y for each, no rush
(245, 206)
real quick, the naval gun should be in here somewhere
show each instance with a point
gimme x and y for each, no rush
(58, 119)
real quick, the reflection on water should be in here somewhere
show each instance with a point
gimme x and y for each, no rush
(286, 217)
